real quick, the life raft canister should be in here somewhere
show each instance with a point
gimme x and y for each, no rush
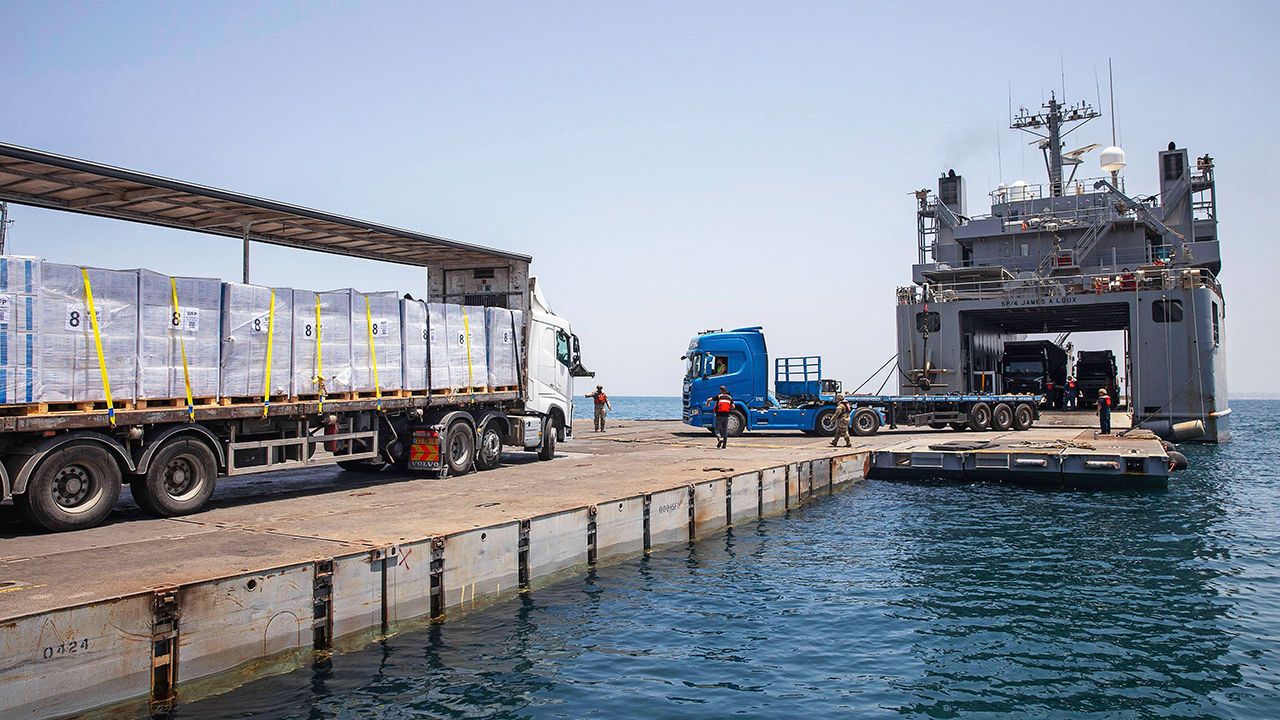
(724, 405)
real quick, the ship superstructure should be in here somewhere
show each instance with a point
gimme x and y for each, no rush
(1070, 256)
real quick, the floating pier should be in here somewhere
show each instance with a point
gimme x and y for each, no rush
(141, 613)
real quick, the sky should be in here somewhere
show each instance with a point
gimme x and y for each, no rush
(671, 167)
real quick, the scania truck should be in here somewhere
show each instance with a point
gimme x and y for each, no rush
(801, 399)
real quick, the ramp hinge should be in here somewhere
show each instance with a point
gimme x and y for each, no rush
(164, 649)
(322, 605)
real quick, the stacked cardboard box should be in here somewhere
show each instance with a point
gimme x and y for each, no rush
(503, 328)
(322, 351)
(468, 357)
(165, 333)
(19, 360)
(375, 341)
(438, 345)
(69, 367)
(249, 319)
(415, 336)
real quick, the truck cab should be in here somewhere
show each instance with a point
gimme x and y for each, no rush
(1029, 366)
(738, 360)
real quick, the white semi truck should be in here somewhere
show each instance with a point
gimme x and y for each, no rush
(64, 468)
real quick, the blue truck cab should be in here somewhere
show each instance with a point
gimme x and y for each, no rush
(803, 400)
(739, 361)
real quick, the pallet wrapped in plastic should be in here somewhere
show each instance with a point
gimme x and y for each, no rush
(69, 367)
(19, 359)
(438, 344)
(504, 329)
(375, 318)
(249, 320)
(163, 335)
(468, 358)
(330, 358)
(415, 336)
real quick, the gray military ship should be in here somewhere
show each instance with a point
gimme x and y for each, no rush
(1071, 256)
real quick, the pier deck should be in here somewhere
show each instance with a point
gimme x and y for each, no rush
(143, 609)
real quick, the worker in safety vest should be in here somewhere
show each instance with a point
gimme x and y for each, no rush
(1071, 393)
(602, 406)
(1104, 412)
(843, 411)
(724, 408)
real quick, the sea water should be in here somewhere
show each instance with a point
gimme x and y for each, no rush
(917, 600)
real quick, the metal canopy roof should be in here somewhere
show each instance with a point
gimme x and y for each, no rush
(42, 179)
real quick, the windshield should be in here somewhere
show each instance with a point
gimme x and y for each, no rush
(1026, 368)
(693, 364)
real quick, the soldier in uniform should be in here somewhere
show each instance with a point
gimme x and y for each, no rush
(602, 406)
(843, 411)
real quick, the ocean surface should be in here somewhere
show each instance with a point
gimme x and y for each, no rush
(916, 600)
(630, 408)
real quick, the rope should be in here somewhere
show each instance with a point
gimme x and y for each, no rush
(877, 372)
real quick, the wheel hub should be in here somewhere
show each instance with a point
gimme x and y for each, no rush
(178, 477)
(72, 486)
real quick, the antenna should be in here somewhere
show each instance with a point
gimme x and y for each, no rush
(1062, 73)
(999, 156)
(1057, 121)
(1111, 87)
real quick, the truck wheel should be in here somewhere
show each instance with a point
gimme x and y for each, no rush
(825, 425)
(460, 448)
(737, 424)
(938, 425)
(1023, 417)
(372, 465)
(179, 480)
(980, 416)
(489, 453)
(74, 487)
(959, 426)
(547, 450)
(865, 422)
(1002, 417)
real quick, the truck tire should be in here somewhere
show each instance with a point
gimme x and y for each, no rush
(547, 450)
(865, 422)
(737, 424)
(980, 416)
(938, 425)
(370, 466)
(179, 480)
(75, 487)
(959, 426)
(825, 425)
(1024, 416)
(1002, 417)
(489, 452)
(460, 448)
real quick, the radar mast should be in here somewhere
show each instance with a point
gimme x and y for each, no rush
(1051, 126)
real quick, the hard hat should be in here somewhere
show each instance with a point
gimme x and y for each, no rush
(840, 396)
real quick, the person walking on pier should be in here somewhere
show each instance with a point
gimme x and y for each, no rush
(1104, 412)
(602, 406)
(724, 408)
(843, 411)
(1071, 393)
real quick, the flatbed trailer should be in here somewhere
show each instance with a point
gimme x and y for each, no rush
(959, 412)
(65, 469)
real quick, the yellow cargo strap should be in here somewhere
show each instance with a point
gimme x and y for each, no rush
(182, 345)
(319, 379)
(466, 328)
(271, 341)
(97, 344)
(373, 352)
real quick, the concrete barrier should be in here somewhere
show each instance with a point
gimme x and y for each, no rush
(669, 517)
(710, 507)
(620, 528)
(557, 542)
(744, 498)
(65, 662)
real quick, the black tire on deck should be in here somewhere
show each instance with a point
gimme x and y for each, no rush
(489, 452)
(980, 416)
(737, 424)
(865, 422)
(959, 426)
(179, 480)
(938, 425)
(74, 487)
(1024, 416)
(547, 450)
(1002, 417)
(825, 425)
(459, 448)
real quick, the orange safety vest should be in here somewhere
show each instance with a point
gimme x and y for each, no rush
(724, 404)
(601, 398)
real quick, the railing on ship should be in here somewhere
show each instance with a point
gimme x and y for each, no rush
(1148, 277)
